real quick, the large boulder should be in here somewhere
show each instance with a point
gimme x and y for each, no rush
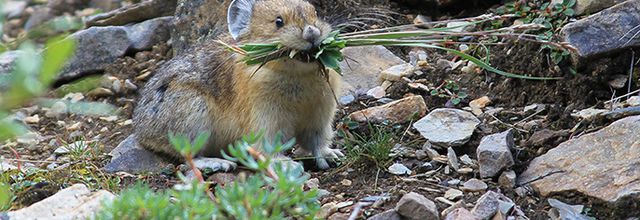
(602, 165)
(608, 31)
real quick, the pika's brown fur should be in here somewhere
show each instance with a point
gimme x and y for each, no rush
(210, 90)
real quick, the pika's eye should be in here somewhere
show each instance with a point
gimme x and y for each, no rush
(279, 22)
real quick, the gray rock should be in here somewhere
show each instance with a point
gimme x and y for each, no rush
(129, 157)
(399, 169)
(461, 214)
(562, 210)
(415, 206)
(7, 63)
(151, 32)
(74, 202)
(487, 206)
(364, 64)
(583, 7)
(197, 21)
(494, 153)
(40, 15)
(507, 179)
(602, 165)
(453, 194)
(95, 48)
(386, 215)
(13, 9)
(346, 99)
(474, 185)
(447, 126)
(608, 31)
(134, 13)
(634, 101)
(453, 159)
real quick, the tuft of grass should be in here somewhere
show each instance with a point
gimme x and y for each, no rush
(372, 149)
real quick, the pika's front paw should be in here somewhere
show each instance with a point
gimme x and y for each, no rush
(215, 164)
(327, 156)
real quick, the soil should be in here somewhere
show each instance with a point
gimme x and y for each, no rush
(573, 92)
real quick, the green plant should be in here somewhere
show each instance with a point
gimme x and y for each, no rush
(449, 89)
(328, 54)
(374, 148)
(274, 191)
(552, 17)
(6, 196)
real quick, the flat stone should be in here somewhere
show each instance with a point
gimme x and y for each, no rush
(447, 126)
(474, 185)
(605, 32)
(376, 92)
(453, 159)
(398, 111)
(487, 206)
(395, 73)
(363, 66)
(602, 165)
(130, 157)
(138, 12)
(74, 202)
(415, 206)
(494, 154)
(453, 194)
(96, 47)
(461, 214)
(145, 35)
(399, 169)
(390, 214)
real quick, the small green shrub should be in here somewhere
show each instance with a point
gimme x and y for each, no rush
(274, 191)
(374, 148)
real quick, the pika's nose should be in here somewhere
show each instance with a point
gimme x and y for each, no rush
(311, 34)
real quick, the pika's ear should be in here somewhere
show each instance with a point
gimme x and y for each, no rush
(239, 17)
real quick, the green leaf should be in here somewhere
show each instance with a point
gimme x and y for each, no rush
(569, 12)
(58, 50)
(462, 95)
(434, 92)
(456, 101)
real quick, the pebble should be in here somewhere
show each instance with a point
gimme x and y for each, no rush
(327, 209)
(126, 122)
(346, 182)
(376, 92)
(109, 118)
(313, 183)
(453, 182)
(453, 159)
(130, 85)
(100, 92)
(399, 169)
(487, 206)
(346, 99)
(416, 207)
(465, 170)
(74, 97)
(494, 153)
(29, 138)
(421, 154)
(395, 73)
(474, 185)
(75, 126)
(32, 119)
(507, 179)
(465, 159)
(56, 110)
(447, 126)
(634, 101)
(453, 194)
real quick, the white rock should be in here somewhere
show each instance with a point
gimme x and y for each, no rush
(395, 73)
(447, 126)
(634, 101)
(399, 169)
(32, 119)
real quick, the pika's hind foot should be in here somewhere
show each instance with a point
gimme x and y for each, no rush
(215, 164)
(326, 156)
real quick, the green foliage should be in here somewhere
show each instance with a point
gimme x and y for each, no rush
(551, 16)
(449, 89)
(258, 196)
(374, 148)
(6, 196)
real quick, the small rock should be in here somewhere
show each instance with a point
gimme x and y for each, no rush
(465, 159)
(130, 85)
(126, 122)
(453, 182)
(461, 214)
(29, 138)
(395, 73)
(562, 210)
(75, 146)
(399, 169)
(474, 185)
(453, 194)
(313, 183)
(465, 170)
(346, 182)
(453, 159)
(130, 157)
(480, 103)
(110, 118)
(494, 153)
(390, 214)
(74, 97)
(326, 210)
(589, 113)
(346, 99)
(57, 109)
(395, 112)
(376, 92)
(74, 202)
(507, 179)
(618, 81)
(100, 92)
(422, 21)
(421, 154)
(487, 206)
(6, 166)
(415, 206)
(150, 32)
(32, 119)
(634, 101)
(431, 153)
(323, 193)
(446, 126)
(460, 26)
(75, 126)
(386, 84)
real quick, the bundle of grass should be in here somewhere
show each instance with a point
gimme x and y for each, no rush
(434, 35)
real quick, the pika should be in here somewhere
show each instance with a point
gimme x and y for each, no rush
(211, 90)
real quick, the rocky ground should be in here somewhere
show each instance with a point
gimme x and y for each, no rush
(427, 135)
